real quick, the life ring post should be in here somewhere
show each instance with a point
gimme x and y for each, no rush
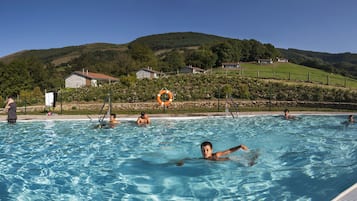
(170, 97)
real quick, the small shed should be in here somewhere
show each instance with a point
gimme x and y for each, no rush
(192, 70)
(231, 65)
(265, 61)
(148, 73)
(282, 60)
(84, 78)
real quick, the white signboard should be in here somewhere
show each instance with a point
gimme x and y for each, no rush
(49, 99)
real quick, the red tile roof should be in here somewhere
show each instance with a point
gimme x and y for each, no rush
(96, 76)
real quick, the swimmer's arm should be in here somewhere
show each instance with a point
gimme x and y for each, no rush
(7, 106)
(180, 163)
(231, 150)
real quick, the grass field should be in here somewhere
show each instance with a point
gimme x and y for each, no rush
(289, 71)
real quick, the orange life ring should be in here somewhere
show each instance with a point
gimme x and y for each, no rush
(168, 93)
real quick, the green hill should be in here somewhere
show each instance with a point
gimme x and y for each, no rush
(343, 63)
(157, 42)
(178, 40)
(168, 52)
(292, 72)
(58, 56)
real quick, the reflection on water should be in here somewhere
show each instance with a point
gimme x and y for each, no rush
(313, 157)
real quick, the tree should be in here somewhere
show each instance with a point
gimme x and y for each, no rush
(125, 63)
(271, 51)
(203, 58)
(174, 60)
(142, 54)
(15, 77)
(256, 51)
(224, 52)
(227, 89)
(228, 51)
(246, 48)
(25, 96)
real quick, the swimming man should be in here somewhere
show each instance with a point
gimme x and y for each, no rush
(207, 151)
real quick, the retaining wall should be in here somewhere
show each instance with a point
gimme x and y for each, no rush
(187, 105)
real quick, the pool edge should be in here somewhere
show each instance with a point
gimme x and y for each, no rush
(22, 118)
(348, 194)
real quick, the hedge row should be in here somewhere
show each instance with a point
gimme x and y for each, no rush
(199, 87)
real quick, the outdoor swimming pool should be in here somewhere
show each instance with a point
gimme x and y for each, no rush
(312, 158)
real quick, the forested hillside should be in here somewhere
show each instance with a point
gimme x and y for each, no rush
(178, 40)
(164, 52)
(46, 69)
(344, 63)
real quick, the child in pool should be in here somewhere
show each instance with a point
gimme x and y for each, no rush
(207, 151)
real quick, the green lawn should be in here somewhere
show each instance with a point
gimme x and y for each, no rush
(289, 71)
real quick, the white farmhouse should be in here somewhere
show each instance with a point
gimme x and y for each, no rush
(265, 61)
(282, 60)
(230, 65)
(148, 73)
(192, 70)
(80, 79)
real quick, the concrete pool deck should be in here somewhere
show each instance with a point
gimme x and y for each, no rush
(349, 194)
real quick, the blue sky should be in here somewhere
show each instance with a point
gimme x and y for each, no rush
(317, 25)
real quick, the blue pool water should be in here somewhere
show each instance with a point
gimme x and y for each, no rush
(312, 158)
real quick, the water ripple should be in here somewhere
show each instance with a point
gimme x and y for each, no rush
(61, 160)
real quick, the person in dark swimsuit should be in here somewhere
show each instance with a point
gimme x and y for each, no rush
(288, 116)
(350, 119)
(11, 110)
(143, 119)
(207, 151)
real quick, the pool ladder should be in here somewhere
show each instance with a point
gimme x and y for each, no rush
(103, 113)
(232, 105)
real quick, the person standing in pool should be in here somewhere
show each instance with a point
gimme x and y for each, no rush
(350, 119)
(11, 110)
(207, 151)
(143, 119)
(112, 119)
(287, 116)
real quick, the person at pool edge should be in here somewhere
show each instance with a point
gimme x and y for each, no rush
(287, 115)
(143, 119)
(113, 120)
(111, 123)
(11, 110)
(207, 151)
(350, 119)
